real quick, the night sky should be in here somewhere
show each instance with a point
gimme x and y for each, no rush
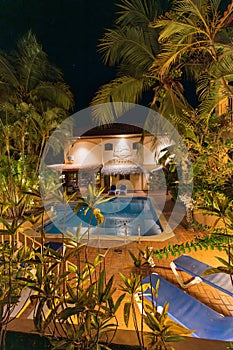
(69, 31)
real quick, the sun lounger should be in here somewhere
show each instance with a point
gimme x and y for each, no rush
(112, 191)
(23, 303)
(54, 245)
(122, 190)
(195, 268)
(189, 312)
(57, 246)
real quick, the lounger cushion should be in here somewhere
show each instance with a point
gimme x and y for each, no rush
(123, 190)
(191, 313)
(112, 190)
(193, 267)
(53, 245)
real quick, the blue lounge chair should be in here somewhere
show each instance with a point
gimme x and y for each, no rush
(22, 304)
(195, 268)
(54, 245)
(57, 246)
(113, 190)
(122, 190)
(189, 312)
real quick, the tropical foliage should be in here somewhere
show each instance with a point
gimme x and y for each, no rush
(157, 46)
(15, 265)
(131, 46)
(90, 202)
(184, 62)
(190, 44)
(195, 37)
(33, 101)
(212, 163)
(77, 309)
(162, 329)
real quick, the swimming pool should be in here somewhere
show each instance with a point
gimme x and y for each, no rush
(124, 216)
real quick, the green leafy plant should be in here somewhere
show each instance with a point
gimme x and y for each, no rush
(32, 104)
(144, 258)
(90, 202)
(162, 329)
(132, 286)
(15, 265)
(76, 311)
(226, 267)
(220, 206)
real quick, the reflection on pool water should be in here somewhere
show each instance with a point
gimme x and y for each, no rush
(123, 216)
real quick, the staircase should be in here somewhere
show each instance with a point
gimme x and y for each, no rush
(20, 238)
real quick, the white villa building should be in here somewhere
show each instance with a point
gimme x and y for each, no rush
(110, 156)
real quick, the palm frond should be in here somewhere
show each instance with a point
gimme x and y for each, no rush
(227, 188)
(184, 124)
(172, 54)
(107, 113)
(45, 122)
(179, 31)
(7, 72)
(127, 45)
(200, 9)
(57, 93)
(224, 67)
(210, 96)
(189, 28)
(31, 61)
(140, 12)
(213, 86)
(124, 90)
(173, 103)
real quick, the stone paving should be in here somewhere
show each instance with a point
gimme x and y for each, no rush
(118, 260)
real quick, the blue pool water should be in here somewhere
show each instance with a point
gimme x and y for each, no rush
(124, 216)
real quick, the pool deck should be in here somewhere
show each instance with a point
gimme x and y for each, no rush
(118, 259)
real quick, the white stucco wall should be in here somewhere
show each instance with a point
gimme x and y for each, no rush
(86, 152)
(92, 151)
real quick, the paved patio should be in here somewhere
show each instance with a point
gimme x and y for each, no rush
(118, 259)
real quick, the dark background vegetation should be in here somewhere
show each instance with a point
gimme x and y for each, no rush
(69, 31)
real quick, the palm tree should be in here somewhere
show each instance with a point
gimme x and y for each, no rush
(27, 78)
(31, 89)
(192, 41)
(33, 100)
(195, 38)
(131, 46)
